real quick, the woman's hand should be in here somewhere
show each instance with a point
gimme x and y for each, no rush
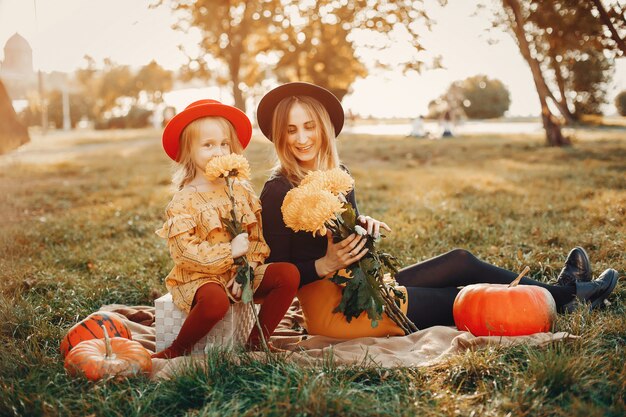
(341, 254)
(240, 245)
(372, 226)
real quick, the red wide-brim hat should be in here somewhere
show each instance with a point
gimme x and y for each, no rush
(197, 110)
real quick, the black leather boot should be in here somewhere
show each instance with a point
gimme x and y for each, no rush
(593, 293)
(576, 269)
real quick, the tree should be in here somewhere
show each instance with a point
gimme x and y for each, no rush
(562, 41)
(12, 132)
(615, 20)
(103, 88)
(476, 97)
(450, 102)
(620, 103)
(154, 80)
(569, 41)
(79, 108)
(517, 22)
(88, 80)
(116, 81)
(301, 35)
(588, 83)
(320, 53)
(233, 33)
(318, 45)
(484, 98)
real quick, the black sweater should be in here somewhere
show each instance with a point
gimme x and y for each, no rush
(298, 248)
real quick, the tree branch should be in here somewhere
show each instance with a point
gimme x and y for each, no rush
(604, 16)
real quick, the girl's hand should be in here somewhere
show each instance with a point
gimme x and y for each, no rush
(235, 288)
(239, 245)
(372, 225)
(342, 254)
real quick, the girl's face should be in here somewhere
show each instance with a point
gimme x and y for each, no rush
(303, 139)
(212, 141)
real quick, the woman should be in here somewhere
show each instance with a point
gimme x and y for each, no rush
(303, 120)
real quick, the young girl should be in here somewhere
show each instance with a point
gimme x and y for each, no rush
(202, 281)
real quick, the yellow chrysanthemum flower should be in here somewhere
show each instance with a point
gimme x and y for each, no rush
(232, 165)
(336, 180)
(314, 177)
(307, 208)
(339, 181)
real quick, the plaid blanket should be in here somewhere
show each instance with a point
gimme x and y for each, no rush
(428, 347)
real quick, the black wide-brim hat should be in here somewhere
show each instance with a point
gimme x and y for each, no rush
(265, 111)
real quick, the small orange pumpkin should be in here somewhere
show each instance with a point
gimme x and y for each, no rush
(504, 310)
(91, 328)
(101, 358)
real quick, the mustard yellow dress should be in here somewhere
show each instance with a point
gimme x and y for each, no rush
(200, 245)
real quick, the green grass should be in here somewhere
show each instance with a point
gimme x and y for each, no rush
(79, 233)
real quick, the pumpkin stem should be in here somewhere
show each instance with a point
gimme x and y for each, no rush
(107, 342)
(519, 277)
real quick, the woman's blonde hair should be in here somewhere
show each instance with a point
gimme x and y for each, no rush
(287, 164)
(186, 170)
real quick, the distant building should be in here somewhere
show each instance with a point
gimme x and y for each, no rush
(16, 71)
(18, 58)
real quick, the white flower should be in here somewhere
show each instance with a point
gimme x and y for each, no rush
(359, 230)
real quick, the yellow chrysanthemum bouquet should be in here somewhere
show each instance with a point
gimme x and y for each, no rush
(231, 167)
(317, 205)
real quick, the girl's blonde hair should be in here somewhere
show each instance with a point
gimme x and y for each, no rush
(186, 167)
(287, 164)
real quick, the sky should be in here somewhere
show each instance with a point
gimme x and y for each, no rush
(62, 32)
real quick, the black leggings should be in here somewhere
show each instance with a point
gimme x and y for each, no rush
(432, 285)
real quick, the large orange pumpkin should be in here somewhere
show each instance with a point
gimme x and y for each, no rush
(504, 310)
(101, 358)
(91, 328)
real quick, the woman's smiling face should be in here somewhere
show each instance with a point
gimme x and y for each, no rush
(302, 136)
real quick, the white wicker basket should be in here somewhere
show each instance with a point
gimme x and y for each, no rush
(233, 330)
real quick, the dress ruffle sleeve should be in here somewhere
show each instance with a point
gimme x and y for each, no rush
(188, 250)
(176, 225)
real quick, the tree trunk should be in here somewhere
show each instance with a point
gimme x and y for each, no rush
(554, 137)
(240, 102)
(237, 35)
(12, 132)
(604, 16)
(235, 67)
(560, 81)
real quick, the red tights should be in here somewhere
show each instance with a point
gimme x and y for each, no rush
(210, 304)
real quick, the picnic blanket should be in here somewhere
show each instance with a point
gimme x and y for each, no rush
(428, 347)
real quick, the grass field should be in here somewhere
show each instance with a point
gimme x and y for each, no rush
(78, 232)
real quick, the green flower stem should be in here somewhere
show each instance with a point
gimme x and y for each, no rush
(246, 265)
(341, 227)
(396, 314)
(390, 307)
